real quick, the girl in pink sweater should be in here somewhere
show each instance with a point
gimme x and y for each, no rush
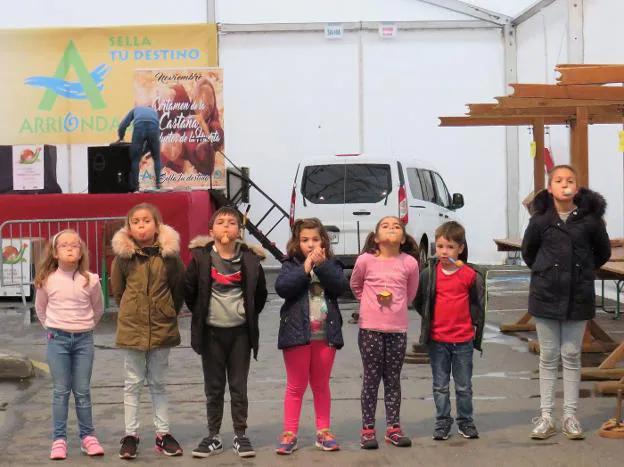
(69, 305)
(385, 281)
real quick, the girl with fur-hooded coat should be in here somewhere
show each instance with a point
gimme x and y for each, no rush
(564, 256)
(148, 285)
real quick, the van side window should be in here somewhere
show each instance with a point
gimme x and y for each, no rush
(414, 183)
(427, 186)
(444, 199)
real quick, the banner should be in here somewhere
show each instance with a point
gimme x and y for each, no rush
(66, 86)
(189, 103)
(16, 267)
(28, 167)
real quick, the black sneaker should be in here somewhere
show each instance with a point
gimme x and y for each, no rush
(242, 446)
(468, 430)
(129, 445)
(209, 446)
(441, 432)
(168, 445)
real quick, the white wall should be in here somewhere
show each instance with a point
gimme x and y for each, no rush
(542, 44)
(420, 76)
(302, 11)
(603, 34)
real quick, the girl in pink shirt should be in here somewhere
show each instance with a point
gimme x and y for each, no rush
(385, 281)
(69, 305)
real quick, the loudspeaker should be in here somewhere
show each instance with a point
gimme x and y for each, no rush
(109, 169)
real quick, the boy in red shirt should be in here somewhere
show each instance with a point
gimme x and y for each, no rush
(451, 302)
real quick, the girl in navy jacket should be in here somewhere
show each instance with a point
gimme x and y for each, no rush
(310, 331)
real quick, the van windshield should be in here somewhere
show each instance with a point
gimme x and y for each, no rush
(346, 183)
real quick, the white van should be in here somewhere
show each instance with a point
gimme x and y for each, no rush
(350, 193)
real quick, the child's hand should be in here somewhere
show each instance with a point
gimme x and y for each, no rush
(320, 257)
(308, 263)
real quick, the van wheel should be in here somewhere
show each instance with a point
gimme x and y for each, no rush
(423, 254)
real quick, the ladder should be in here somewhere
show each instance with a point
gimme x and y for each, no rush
(237, 195)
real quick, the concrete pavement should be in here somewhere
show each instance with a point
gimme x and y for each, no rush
(505, 389)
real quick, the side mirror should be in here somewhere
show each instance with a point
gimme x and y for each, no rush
(458, 201)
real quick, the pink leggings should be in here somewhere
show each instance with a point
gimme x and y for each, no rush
(308, 363)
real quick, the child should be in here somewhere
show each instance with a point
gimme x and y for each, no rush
(225, 291)
(384, 280)
(147, 279)
(310, 331)
(564, 244)
(452, 306)
(69, 306)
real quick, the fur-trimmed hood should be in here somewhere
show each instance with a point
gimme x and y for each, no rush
(588, 202)
(201, 241)
(125, 247)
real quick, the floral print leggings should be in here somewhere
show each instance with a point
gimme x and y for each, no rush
(382, 357)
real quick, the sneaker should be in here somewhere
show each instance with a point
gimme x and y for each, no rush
(441, 432)
(209, 446)
(468, 430)
(129, 445)
(368, 438)
(91, 446)
(572, 428)
(326, 441)
(242, 446)
(59, 450)
(544, 427)
(287, 443)
(394, 435)
(168, 445)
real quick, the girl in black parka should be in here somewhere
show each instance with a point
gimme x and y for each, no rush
(310, 330)
(565, 243)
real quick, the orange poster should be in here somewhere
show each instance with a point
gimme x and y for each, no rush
(189, 103)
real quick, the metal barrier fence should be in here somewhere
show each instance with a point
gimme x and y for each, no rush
(23, 243)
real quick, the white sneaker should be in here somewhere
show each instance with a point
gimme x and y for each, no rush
(544, 428)
(572, 428)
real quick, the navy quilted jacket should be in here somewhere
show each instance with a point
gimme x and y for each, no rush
(292, 285)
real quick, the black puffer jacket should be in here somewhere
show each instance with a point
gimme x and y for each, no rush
(564, 256)
(198, 290)
(426, 297)
(292, 284)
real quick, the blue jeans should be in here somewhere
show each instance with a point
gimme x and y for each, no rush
(456, 358)
(142, 134)
(70, 358)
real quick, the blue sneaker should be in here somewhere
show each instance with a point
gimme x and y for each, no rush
(287, 443)
(326, 441)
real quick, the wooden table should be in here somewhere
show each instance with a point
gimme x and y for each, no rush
(595, 340)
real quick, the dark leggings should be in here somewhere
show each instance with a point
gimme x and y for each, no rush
(382, 357)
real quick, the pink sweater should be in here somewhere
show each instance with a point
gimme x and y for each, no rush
(65, 303)
(373, 274)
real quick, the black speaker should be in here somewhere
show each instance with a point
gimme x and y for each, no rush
(109, 169)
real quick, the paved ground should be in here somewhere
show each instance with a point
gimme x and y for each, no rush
(505, 386)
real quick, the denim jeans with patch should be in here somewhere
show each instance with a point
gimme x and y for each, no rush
(455, 359)
(70, 358)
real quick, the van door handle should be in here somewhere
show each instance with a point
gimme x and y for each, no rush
(361, 213)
